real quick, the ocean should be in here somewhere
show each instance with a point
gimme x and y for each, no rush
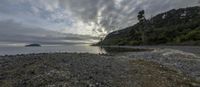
(85, 48)
(77, 48)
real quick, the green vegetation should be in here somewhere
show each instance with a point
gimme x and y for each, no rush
(175, 27)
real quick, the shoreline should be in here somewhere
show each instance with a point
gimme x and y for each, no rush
(91, 49)
(95, 70)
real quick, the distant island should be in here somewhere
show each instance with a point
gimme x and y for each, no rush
(33, 45)
(174, 27)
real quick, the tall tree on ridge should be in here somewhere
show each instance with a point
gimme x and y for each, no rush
(143, 22)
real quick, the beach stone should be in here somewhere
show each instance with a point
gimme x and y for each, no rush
(161, 68)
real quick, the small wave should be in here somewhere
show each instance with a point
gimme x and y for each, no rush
(168, 52)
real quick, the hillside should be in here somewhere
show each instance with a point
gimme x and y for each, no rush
(174, 27)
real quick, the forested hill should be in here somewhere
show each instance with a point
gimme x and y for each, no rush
(175, 27)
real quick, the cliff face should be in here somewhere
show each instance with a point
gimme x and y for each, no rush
(181, 26)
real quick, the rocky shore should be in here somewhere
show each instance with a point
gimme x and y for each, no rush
(158, 68)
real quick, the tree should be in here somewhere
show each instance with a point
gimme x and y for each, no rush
(143, 22)
(141, 16)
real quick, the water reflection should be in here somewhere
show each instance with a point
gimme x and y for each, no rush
(123, 49)
(13, 50)
(86, 48)
(10, 50)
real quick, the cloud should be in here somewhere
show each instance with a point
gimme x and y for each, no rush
(11, 31)
(117, 14)
(83, 17)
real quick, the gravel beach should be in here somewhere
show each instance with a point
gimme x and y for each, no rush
(158, 68)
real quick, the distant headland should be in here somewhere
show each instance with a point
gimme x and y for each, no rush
(33, 45)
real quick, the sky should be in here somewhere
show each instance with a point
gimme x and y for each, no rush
(64, 21)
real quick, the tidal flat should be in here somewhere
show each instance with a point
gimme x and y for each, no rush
(158, 68)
